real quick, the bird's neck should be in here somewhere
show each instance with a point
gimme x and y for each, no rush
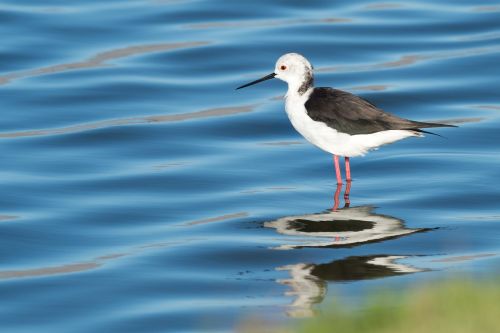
(293, 94)
(299, 88)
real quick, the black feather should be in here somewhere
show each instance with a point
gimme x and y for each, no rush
(348, 113)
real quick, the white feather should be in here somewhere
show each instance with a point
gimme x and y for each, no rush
(330, 140)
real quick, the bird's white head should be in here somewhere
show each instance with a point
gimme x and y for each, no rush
(295, 70)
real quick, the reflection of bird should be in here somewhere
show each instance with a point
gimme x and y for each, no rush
(363, 268)
(306, 289)
(308, 281)
(334, 120)
(345, 227)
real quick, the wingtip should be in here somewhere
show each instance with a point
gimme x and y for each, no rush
(447, 125)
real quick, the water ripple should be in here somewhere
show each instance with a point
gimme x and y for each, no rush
(218, 112)
(100, 59)
(136, 182)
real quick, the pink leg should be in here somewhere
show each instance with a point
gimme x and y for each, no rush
(347, 170)
(336, 200)
(337, 169)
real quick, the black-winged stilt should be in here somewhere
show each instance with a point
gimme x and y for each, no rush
(336, 121)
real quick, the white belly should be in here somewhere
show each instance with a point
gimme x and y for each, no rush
(330, 140)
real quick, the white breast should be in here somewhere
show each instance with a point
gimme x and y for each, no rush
(329, 139)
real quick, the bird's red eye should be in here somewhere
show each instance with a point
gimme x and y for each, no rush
(283, 67)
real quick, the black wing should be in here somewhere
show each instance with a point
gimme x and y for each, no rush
(348, 113)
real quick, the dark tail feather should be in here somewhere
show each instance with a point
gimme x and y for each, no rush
(428, 125)
(419, 124)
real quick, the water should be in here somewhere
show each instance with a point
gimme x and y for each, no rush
(141, 193)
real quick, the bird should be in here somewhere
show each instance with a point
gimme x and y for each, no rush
(336, 121)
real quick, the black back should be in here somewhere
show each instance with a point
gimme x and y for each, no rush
(348, 113)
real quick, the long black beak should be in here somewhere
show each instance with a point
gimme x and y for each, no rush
(267, 77)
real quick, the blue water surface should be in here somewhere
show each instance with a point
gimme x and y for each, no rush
(141, 193)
